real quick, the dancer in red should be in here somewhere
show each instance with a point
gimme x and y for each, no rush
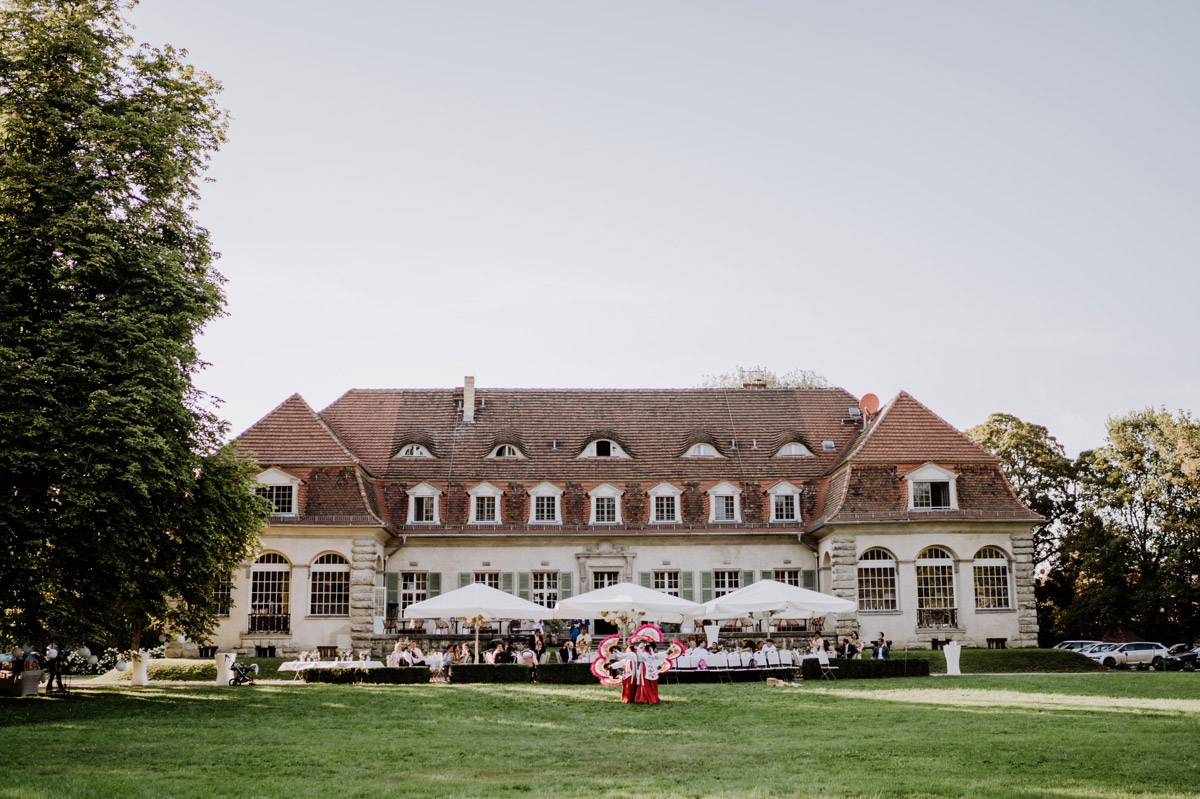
(637, 667)
(648, 663)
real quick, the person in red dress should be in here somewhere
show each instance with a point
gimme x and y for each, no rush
(648, 662)
(627, 661)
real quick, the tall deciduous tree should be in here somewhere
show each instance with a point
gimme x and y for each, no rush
(1039, 470)
(120, 509)
(1137, 544)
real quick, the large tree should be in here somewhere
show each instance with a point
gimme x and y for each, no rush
(1039, 471)
(120, 508)
(1136, 548)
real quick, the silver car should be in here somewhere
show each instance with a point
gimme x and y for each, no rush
(1075, 646)
(1132, 654)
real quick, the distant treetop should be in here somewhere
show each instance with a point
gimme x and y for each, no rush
(758, 377)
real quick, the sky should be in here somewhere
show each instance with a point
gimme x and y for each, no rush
(992, 206)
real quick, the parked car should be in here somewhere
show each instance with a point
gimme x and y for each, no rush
(1132, 654)
(1089, 650)
(1075, 646)
(1179, 660)
(1179, 649)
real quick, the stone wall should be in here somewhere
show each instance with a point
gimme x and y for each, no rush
(1027, 622)
(364, 554)
(843, 581)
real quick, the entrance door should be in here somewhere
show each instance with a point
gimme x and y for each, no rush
(604, 580)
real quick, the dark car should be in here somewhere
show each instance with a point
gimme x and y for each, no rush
(1182, 660)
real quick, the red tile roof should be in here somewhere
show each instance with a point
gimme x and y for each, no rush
(292, 434)
(365, 429)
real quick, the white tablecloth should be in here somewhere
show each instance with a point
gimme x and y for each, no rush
(304, 665)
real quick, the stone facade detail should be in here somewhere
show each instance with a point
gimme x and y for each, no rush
(1026, 601)
(844, 580)
(365, 553)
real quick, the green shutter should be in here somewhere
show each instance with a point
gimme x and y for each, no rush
(391, 581)
(686, 588)
(808, 578)
(506, 582)
(464, 579)
(564, 585)
(747, 578)
(706, 586)
(435, 584)
(524, 584)
(646, 579)
(767, 575)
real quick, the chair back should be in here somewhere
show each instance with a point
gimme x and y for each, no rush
(823, 659)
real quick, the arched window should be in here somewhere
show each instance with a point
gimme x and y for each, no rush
(329, 586)
(877, 581)
(991, 579)
(414, 451)
(507, 451)
(936, 606)
(603, 448)
(793, 449)
(270, 590)
(702, 450)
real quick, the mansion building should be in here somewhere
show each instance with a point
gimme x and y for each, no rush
(389, 497)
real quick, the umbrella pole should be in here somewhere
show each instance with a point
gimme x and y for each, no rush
(477, 642)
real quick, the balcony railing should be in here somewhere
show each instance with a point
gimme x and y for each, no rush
(937, 618)
(269, 623)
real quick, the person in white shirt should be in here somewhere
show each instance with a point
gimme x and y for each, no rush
(769, 646)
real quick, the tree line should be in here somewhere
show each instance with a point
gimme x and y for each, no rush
(1120, 550)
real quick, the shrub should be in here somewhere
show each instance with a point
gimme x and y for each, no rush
(810, 669)
(566, 674)
(504, 672)
(1004, 661)
(404, 675)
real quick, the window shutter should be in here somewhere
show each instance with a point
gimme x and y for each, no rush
(379, 600)
(686, 587)
(506, 582)
(706, 586)
(767, 575)
(435, 584)
(747, 578)
(391, 582)
(464, 579)
(809, 579)
(564, 585)
(524, 581)
(646, 579)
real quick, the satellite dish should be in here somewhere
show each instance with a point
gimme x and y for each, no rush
(868, 404)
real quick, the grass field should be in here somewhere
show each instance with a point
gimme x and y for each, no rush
(1091, 736)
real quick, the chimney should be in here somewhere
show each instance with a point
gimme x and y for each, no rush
(468, 399)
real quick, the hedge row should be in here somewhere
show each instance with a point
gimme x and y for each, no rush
(810, 669)
(1003, 661)
(566, 674)
(501, 672)
(405, 675)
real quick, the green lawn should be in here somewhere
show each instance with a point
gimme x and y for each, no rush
(1091, 736)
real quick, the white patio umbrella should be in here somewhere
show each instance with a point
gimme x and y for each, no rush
(476, 603)
(775, 600)
(626, 604)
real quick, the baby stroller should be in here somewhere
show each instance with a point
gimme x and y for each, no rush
(245, 674)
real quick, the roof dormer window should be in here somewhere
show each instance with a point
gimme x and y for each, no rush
(414, 451)
(702, 450)
(606, 504)
(724, 503)
(280, 489)
(793, 449)
(785, 502)
(509, 451)
(485, 504)
(423, 504)
(932, 488)
(545, 504)
(664, 504)
(603, 448)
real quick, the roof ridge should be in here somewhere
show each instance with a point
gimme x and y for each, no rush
(867, 432)
(991, 456)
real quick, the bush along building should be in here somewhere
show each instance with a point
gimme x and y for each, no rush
(389, 497)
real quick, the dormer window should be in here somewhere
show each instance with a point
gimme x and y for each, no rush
(414, 451)
(702, 450)
(485, 504)
(793, 449)
(932, 488)
(724, 503)
(785, 502)
(423, 504)
(506, 451)
(545, 504)
(603, 448)
(279, 488)
(664, 504)
(606, 504)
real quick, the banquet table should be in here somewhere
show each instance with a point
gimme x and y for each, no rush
(304, 665)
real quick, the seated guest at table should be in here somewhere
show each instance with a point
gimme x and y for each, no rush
(747, 646)
(397, 655)
(844, 650)
(816, 643)
(539, 645)
(583, 643)
(768, 647)
(881, 648)
(465, 655)
(702, 650)
(418, 657)
(856, 645)
(567, 653)
(689, 646)
(503, 655)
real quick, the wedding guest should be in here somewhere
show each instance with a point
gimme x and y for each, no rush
(397, 655)
(465, 655)
(856, 644)
(768, 647)
(567, 653)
